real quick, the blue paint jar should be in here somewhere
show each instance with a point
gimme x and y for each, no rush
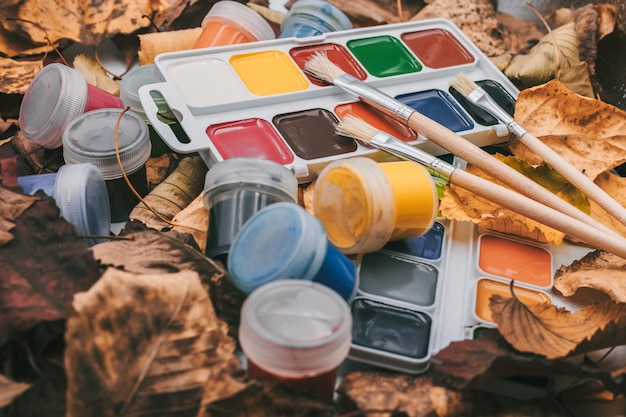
(311, 18)
(80, 194)
(284, 241)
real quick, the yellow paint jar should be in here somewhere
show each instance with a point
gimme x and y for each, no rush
(363, 204)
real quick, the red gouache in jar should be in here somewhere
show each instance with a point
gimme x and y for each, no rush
(100, 99)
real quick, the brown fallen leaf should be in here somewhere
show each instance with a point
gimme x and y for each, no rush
(15, 76)
(194, 219)
(476, 18)
(599, 270)
(588, 133)
(9, 390)
(146, 344)
(555, 332)
(403, 394)
(153, 44)
(487, 360)
(44, 263)
(261, 400)
(615, 186)
(172, 194)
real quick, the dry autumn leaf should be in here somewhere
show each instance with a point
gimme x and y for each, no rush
(194, 219)
(588, 133)
(95, 74)
(555, 54)
(10, 389)
(615, 186)
(403, 394)
(43, 265)
(462, 205)
(555, 332)
(599, 270)
(145, 344)
(172, 194)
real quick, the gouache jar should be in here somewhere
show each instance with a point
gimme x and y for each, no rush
(129, 93)
(55, 96)
(235, 189)
(284, 241)
(296, 333)
(81, 196)
(90, 138)
(311, 18)
(363, 204)
(230, 22)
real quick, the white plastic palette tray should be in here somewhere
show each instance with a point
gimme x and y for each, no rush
(417, 296)
(254, 99)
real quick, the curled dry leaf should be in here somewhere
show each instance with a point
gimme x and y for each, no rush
(43, 265)
(403, 394)
(615, 186)
(588, 133)
(95, 74)
(146, 344)
(153, 44)
(194, 219)
(172, 194)
(459, 204)
(150, 251)
(15, 76)
(9, 390)
(599, 270)
(555, 332)
(476, 18)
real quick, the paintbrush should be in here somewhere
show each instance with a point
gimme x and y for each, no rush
(478, 96)
(322, 68)
(358, 129)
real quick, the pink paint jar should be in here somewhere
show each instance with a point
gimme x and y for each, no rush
(229, 22)
(56, 96)
(296, 333)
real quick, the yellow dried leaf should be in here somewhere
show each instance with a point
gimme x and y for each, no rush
(555, 332)
(15, 76)
(95, 74)
(615, 186)
(592, 133)
(9, 390)
(540, 64)
(599, 270)
(194, 219)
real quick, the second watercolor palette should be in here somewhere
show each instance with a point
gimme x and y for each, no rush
(417, 295)
(255, 100)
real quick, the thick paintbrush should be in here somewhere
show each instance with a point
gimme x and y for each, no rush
(354, 127)
(478, 96)
(322, 68)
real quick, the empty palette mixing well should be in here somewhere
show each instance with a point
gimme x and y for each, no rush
(255, 99)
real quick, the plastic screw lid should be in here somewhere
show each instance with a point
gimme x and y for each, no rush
(255, 171)
(81, 195)
(244, 16)
(326, 12)
(53, 99)
(280, 241)
(90, 138)
(129, 90)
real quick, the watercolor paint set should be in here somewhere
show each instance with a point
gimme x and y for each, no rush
(417, 295)
(255, 99)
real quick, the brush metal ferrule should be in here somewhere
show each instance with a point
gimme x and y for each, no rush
(483, 100)
(403, 150)
(374, 97)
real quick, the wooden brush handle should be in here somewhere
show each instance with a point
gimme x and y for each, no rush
(476, 156)
(536, 211)
(573, 175)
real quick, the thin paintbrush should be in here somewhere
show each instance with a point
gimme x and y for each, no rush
(478, 96)
(361, 130)
(322, 68)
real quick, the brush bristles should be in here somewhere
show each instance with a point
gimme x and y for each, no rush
(463, 85)
(356, 128)
(319, 66)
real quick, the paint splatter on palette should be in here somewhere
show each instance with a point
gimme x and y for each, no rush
(417, 295)
(256, 100)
